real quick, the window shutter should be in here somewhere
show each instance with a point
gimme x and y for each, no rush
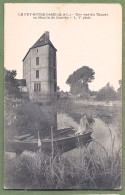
(39, 86)
(34, 86)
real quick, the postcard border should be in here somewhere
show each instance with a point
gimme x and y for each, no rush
(5, 192)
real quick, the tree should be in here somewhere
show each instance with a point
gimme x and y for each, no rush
(79, 80)
(11, 84)
(106, 93)
(119, 90)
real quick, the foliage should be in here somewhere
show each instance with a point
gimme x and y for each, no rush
(93, 93)
(79, 88)
(106, 93)
(84, 73)
(93, 167)
(74, 110)
(119, 90)
(80, 78)
(28, 118)
(11, 84)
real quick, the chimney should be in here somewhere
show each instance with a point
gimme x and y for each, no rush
(46, 36)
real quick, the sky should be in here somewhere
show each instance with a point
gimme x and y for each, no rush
(95, 41)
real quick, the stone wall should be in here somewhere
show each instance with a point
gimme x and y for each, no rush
(46, 67)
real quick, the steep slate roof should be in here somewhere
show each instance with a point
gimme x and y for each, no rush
(43, 40)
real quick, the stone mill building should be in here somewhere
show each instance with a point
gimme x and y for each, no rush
(39, 70)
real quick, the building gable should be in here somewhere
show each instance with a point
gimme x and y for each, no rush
(43, 40)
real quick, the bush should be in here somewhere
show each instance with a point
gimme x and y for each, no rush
(29, 119)
(107, 93)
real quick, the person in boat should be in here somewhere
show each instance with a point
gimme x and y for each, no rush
(83, 125)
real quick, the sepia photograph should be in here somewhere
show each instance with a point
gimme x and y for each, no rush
(62, 96)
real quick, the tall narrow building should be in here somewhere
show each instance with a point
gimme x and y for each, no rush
(39, 70)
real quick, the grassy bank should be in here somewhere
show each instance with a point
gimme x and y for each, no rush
(81, 169)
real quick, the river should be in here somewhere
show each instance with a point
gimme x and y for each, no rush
(104, 135)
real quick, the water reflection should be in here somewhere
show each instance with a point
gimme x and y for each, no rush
(59, 121)
(103, 135)
(101, 132)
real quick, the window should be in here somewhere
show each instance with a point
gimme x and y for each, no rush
(37, 87)
(54, 87)
(37, 60)
(37, 50)
(37, 74)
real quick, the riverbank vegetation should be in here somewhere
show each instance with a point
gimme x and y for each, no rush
(91, 167)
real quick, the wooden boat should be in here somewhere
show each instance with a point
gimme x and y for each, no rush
(62, 133)
(65, 144)
(22, 137)
(63, 141)
(18, 146)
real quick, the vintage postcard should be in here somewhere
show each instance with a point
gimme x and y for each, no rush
(63, 82)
